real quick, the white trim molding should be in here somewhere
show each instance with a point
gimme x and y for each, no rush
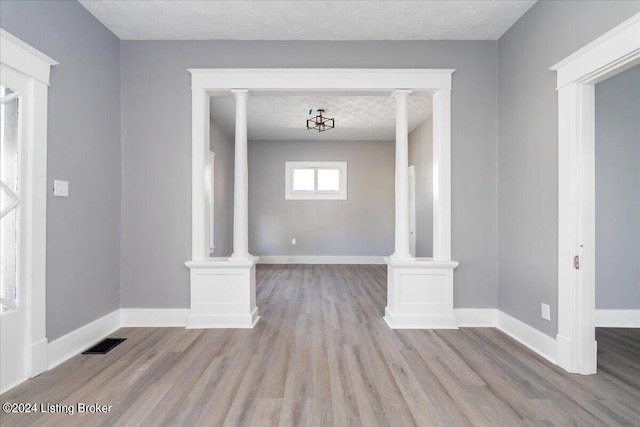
(618, 318)
(79, 340)
(222, 80)
(614, 52)
(476, 317)
(153, 317)
(528, 336)
(18, 57)
(320, 259)
(25, 58)
(533, 339)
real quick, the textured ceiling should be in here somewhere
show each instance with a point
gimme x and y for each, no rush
(308, 20)
(283, 118)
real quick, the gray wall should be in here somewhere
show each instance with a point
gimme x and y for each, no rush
(361, 225)
(421, 156)
(618, 191)
(83, 231)
(156, 139)
(223, 145)
(528, 146)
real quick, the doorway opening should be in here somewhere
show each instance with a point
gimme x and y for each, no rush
(223, 289)
(577, 75)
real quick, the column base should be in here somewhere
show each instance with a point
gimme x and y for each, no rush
(223, 294)
(236, 258)
(395, 257)
(420, 294)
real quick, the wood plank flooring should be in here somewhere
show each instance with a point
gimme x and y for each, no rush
(322, 356)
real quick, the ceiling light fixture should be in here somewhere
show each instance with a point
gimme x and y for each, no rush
(319, 122)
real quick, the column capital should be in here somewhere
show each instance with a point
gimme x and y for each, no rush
(241, 92)
(401, 92)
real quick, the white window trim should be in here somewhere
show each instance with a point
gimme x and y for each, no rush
(20, 56)
(290, 194)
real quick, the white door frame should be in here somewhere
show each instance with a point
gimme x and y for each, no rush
(36, 66)
(610, 54)
(283, 81)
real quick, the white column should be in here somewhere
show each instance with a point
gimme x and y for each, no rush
(241, 177)
(442, 175)
(402, 177)
(199, 152)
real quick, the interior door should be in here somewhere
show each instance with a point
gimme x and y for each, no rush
(412, 210)
(13, 310)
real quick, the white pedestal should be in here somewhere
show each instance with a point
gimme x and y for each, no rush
(223, 294)
(420, 294)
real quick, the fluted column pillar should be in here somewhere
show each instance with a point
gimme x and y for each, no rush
(402, 250)
(241, 181)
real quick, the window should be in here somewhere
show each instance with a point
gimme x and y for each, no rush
(9, 197)
(316, 180)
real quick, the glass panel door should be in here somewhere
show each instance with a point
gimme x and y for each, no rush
(9, 198)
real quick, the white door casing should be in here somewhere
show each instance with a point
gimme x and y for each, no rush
(19, 59)
(610, 54)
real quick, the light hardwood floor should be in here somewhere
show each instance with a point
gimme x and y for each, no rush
(322, 355)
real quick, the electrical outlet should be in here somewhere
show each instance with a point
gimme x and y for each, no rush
(293, 241)
(545, 311)
(60, 188)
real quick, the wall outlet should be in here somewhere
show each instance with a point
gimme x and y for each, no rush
(293, 241)
(545, 311)
(60, 188)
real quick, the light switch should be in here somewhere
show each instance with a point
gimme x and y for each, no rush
(60, 188)
(545, 311)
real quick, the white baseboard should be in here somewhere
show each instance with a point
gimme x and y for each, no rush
(528, 336)
(476, 317)
(153, 317)
(82, 338)
(531, 338)
(419, 322)
(199, 321)
(319, 259)
(617, 318)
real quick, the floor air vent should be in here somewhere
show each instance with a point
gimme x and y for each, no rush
(104, 346)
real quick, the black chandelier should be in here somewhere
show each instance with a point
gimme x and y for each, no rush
(320, 123)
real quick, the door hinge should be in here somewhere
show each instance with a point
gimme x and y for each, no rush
(576, 262)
